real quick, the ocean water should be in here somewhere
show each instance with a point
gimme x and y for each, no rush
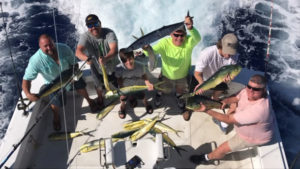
(25, 20)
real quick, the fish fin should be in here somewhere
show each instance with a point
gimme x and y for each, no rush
(188, 14)
(135, 37)
(142, 32)
(88, 132)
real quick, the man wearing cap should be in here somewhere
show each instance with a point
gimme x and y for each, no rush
(212, 58)
(176, 56)
(101, 45)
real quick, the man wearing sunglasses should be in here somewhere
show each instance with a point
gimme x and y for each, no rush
(212, 58)
(251, 117)
(101, 45)
(176, 53)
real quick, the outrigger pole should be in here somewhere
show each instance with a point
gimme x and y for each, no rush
(22, 105)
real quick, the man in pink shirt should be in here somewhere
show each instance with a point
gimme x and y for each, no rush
(251, 117)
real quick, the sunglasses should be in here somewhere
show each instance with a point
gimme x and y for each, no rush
(254, 88)
(90, 25)
(179, 35)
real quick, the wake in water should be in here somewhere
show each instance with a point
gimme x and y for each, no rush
(26, 21)
(249, 20)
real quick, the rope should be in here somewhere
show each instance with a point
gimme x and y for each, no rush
(269, 37)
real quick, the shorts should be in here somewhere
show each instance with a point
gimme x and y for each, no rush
(138, 95)
(179, 83)
(237, 143)
(98, 78)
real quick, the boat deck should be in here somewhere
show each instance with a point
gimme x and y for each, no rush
(200, 135)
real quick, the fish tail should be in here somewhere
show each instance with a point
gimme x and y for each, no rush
(165, 90)
(178, 131)
(187, 95)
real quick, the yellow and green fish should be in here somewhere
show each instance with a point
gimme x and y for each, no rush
(67, 135)
(61, 81)
(94, 145)
(217, 78)
(106, 110)
(144, 130)
(130, 90)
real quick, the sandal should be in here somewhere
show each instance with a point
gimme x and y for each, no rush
(122, 114)
(149, 109)
(56, 125)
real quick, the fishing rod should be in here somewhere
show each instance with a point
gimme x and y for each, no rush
(15, 146)
(22, 105)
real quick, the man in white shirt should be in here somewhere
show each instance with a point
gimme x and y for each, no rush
(212, 58)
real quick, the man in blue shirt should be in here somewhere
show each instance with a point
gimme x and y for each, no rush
(50, 61)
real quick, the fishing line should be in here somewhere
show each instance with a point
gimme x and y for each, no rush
(22, 105)
(74, 110)
(62, 93)
(269, 38)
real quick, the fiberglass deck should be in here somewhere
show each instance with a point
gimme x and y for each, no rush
(199, 135)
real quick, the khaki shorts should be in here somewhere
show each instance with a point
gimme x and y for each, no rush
(179, 83)
(237, 143)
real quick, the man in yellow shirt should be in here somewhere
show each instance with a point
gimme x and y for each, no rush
(176, 56)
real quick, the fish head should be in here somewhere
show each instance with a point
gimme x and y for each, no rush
(234, 70)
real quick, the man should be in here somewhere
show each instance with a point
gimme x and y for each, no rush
(176, 53)
(101, 45)
(252, 119)
(212, 58)
(50, 61)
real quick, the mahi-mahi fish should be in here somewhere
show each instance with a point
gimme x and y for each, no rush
(130, 90)
(67, 135)
(216, 78)
(61, 81)
(193, 103)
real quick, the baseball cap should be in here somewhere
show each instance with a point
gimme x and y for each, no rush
(181, 29)
(91, 18)
(229, 44)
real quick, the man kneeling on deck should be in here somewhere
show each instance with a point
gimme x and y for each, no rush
(50, 61)
(252, 119)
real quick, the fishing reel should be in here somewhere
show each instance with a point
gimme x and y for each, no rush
(23, 106)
